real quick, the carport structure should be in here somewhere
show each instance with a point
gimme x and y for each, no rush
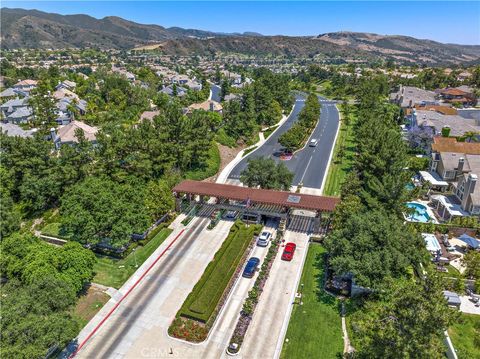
(270, 203)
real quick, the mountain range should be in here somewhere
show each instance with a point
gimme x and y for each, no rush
(22, 28)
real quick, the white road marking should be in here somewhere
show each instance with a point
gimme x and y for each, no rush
(306, 168)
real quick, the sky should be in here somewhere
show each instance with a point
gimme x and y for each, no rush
(443, 21)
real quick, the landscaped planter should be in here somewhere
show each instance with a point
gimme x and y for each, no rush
(251, 302)
(192, 323)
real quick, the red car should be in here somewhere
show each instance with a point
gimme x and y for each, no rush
(287, 254)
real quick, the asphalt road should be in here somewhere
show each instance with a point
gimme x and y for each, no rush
(309, 164)
(215, 92)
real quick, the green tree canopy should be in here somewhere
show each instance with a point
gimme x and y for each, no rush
(265, 173)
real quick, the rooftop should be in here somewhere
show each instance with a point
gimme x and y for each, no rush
(281, 198)
(450, 144)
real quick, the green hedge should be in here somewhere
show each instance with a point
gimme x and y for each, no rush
(205, 296)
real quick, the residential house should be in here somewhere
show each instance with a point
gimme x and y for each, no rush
(64, 92)
(9, 93)
(179, 79)
(230, 97)
(193, 85)
(12, 107)
(208, 105)
(457, 96)
(149, 115)
(25, 85)
(170, 90)
(459, 164)
(408, 97)
(437, 121)
(20, 115)
(14, 130)
(66, 135)
(67, 85)
(128, 75)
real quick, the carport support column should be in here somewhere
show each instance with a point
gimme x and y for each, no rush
(178, 203)
(317, 222)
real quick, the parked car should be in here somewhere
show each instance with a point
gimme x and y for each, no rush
(264, 239)
(288, 252)
(313, 142)
(231, 214)
(251, 267)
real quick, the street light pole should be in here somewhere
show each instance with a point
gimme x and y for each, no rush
(135, 256)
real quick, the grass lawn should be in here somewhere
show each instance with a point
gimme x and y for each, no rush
(465, 336)
(315, 328)
(343, 158)
(114, 272)
(88, 305)
(204, 298)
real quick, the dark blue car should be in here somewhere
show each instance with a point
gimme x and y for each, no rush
(251, 267)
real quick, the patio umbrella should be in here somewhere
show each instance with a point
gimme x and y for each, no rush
(472, 242)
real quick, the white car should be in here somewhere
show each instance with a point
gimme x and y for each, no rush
(313, 142)
(263, 239)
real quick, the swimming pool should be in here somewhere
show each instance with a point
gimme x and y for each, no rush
(420, 214)
(431, 242)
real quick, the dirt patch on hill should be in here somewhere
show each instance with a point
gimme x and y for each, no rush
(227, 154)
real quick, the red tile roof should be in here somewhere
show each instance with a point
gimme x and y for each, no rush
(282, 198)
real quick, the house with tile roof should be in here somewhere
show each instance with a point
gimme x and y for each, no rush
(67, 135)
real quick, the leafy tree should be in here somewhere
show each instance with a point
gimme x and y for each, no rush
(407, 320)
(43, 105)
(99, 209)
(158, 198)
(471, 260)
(35, 317)
(373, 246)
(265, 173)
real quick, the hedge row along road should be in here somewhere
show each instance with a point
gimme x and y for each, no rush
(202, 302)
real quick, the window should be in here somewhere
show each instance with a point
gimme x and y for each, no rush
(449, 174)
(474, 209)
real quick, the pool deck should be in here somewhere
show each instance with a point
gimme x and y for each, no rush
(430, 212)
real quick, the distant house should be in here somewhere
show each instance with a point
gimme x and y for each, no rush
(25, 85)
(179, 79)
(63, 92)
(408, 97)
(208, 105)
(170, 91)
(16, 110)
(457, 96)
(66, 135)
(230, 97)
(13, 130)
(128, 75)
(193, 85)
(149, 115)
(21, 115)
(8, 93)
(67, 85)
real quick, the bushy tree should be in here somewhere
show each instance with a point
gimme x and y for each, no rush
(265, 173)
